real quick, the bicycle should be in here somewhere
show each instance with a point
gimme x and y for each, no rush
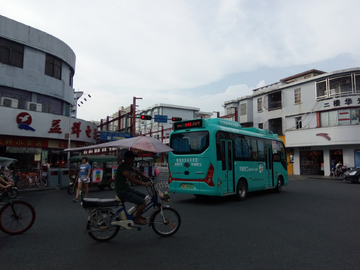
(104, 223)
(16, 217)
(41, 181)
(32, 179)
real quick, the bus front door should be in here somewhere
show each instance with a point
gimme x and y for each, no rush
(227, 166)
(269, 165)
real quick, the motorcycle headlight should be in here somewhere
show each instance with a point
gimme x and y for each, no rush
(353, 173)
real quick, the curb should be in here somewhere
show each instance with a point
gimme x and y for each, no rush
(314, 177)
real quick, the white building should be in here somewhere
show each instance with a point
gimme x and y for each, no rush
(37, 97)
(315, 113)
(160, 125)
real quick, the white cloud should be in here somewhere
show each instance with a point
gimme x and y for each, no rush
(154, 49)
(260, 84)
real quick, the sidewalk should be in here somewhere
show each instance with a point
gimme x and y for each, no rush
(317, 177)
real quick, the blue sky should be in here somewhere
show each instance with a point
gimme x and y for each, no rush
(197, 53)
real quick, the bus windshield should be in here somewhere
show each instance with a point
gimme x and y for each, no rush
(189, 142)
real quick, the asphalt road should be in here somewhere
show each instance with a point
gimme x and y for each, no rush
(312, 224)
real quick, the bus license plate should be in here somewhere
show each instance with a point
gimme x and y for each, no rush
(187, 186)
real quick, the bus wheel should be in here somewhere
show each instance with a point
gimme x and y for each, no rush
(278, 188)
(241, 191)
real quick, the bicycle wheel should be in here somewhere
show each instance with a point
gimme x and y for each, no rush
(41, 182)
(16, 217)
(22, 183)
(98, 226)
(166, 222)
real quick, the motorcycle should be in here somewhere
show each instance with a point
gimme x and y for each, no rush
(340, 171)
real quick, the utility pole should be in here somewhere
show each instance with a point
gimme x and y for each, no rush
(134, 116)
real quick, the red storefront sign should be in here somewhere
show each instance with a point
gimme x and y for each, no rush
(23, 142)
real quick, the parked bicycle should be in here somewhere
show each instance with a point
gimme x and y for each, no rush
(32, 179)
(16, 217)
(104, 222)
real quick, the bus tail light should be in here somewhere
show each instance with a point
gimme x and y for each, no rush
(209, 176)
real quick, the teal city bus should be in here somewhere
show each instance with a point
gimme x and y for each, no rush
(218, 157)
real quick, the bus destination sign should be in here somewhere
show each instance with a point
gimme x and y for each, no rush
(188, 124)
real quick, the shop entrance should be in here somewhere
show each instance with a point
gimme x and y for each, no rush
(335, 157)
(311, 163)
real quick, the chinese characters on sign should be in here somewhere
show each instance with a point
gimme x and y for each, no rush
(88, 132)
(75, 129)
(23, 142)
(348, 101)
(55, 128)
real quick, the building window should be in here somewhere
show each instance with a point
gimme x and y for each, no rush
(261, 125)
(340, 85)
(357, 83)
(275, 125)
(321, 89)
(298, 122)
(340, 117)
(259, 104)
(71, 77)
(274, 100)
(11, 53)
(53, 66)
(243, 109)
(297, 95)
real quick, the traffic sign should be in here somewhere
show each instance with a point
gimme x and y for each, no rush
(160, 118)
(113, 136)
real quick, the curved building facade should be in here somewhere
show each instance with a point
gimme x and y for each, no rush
(37, 97)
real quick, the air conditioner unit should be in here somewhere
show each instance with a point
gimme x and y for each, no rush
(9, 102)
(32, 106)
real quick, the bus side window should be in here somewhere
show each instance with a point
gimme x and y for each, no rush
(261, 150)
(253, 150)
(238, 148)
(223, 157)
(229, 156)
(246, 147)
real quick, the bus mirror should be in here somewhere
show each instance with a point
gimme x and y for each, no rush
(291, 159)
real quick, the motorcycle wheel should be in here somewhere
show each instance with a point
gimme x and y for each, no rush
(71, 189)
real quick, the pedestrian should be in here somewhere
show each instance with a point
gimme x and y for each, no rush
(333, 167)
(83, 177)
(338, 169)
(7, 175)
(4, 184)
(45, 167)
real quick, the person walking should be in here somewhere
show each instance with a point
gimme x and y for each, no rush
(83, 177)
